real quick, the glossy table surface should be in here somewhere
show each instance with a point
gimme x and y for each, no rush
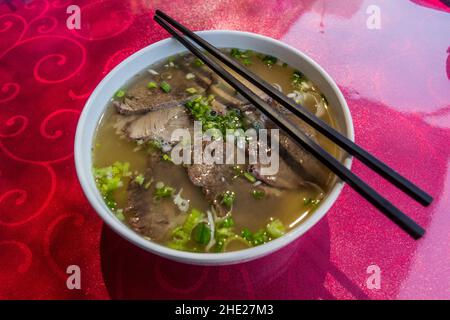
(395, 77)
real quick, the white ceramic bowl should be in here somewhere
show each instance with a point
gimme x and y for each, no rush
(98, 100)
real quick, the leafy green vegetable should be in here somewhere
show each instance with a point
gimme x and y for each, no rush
(228, 199)
(201, 233)
(275, 228)
(165, 87)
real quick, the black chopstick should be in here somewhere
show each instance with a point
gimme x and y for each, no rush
(352, 148)
(393, 213)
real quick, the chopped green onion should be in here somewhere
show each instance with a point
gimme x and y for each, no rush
(246, 234)
(194, 217)
(166, 157)
(165, 87)
(191, 90)
(120, 94)
(249, 177)
(190, 76)
(201, 110)
(275, 228)
(228, 198)
(310, 202)
(119, 214)
(201, 233)
(152, 85)
(109, 179)
(155, 144)
(163, 191)
(269, 60)
(227, 223)
(258, 194)
(260, 237)
(198, 62)
(244, 56)
(297, 78)
(139, 179)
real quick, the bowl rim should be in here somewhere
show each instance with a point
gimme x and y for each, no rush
(86, 179)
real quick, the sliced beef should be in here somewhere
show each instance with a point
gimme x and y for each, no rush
(303, 162)
(139, 99)
(158, 124)
(286, 177)
(150, 217)
(214, 180)
(296, 165)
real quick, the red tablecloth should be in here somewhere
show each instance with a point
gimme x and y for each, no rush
(396, 80)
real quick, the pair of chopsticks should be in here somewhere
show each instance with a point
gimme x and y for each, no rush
(299, 137)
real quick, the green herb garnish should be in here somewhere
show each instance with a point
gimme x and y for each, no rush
(191, 90)
(120, 94)
(310, 202)
(165, 87)
(201, 110)
(258, 194)
(163, 191)
(201, 233)
(198, 62)
(227, 223)
(243, 56)
(228, 198)
(269, 60)
(109, 179)
(166, 157)
(139, 179)
(249, 177)
(152, 85)
(297, 78)
(275, 228)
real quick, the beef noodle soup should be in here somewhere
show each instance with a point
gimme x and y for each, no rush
(201, 207)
